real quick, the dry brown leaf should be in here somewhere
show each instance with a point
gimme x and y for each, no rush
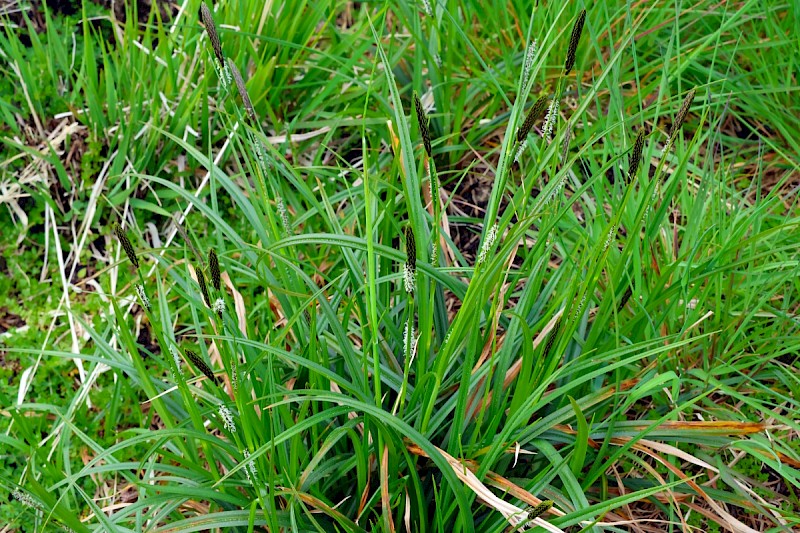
(385, 503)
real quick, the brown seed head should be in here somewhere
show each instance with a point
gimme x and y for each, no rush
(535, 114)
(201, 280)
(213, 264)
(682, 112)
(551, 339)
(211, 30)
(424, 125)
(237, 79)
(126, 244)
(411, 247)
(200, 364)
(625, 297)
(636, 155)
(565, 143)
(574, 39)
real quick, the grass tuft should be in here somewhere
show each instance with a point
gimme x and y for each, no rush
(601, 335)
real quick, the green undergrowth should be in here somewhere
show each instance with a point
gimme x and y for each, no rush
(599, 310)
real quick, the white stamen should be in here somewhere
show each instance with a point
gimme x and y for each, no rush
(530, 53)
(24, 499)
(409, 278)
(488, 243)
(284, 214)
(143, 296)
(611, 233)
(250, 467)
(520, 150)
(410, 341)
(227, 418)
(550, 119)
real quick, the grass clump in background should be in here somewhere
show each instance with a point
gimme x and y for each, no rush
(381, 268)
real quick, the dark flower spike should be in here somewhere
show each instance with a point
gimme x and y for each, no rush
(213, 36)
(625, 297)
(200, 364)
(534, 115)
(201, 280)
(682, 112)
(237, 79)
(636, 155)
(126, 244)
(411, 247)
(213, 264)
(424, 125)
(539, 510)
(551, 339)
(574, 39)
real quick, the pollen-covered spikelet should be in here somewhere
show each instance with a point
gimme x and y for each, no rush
(227, 418)
(426, 5)
(249, 468)
(143, 296)
(283, 213)
(25, 499)
(218, 306)
(409, 341)
(260, 150)
(550, 119)
(527, 67)
(488, 244)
